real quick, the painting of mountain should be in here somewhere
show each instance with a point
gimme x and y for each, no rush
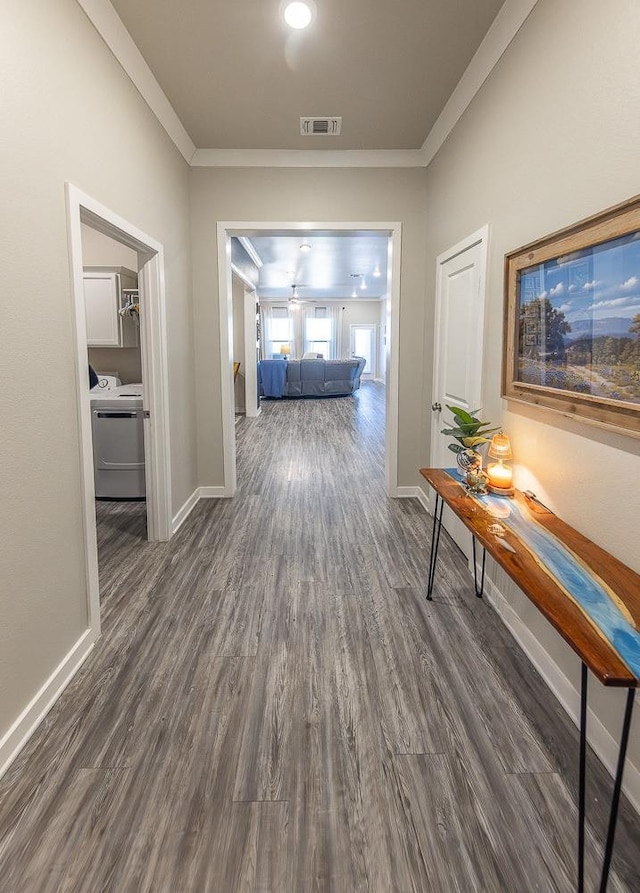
(613, 326)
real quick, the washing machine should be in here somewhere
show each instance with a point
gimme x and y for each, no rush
(105, 383)
(117, 422)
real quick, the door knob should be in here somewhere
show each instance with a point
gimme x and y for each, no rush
(436, 407)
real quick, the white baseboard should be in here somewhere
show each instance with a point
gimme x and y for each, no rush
(185, 511)
(212, 493)
(600, 739)
(198, 494)
(25, 725)
(415, 493)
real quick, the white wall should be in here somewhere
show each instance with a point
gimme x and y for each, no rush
(308, 195)
(100, 250)
(68, 113)
(551, 138)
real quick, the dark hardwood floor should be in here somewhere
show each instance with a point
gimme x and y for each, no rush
(274, 706)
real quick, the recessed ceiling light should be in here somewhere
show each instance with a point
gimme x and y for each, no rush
(298, 14)
(305, 247)
(377, 272)
(355, 294)
(363, 285)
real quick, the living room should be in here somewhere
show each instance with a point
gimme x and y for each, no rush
(315, 296)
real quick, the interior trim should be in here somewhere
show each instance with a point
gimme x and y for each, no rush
(25, 725)
(415, 493)
(504, 28)
(112, 30)
(308, 158)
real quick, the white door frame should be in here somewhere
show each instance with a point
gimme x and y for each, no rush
(225, 231)
(251, 401)
(480, 237)
(81, 208)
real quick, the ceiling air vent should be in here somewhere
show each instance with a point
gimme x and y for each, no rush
(320, 126)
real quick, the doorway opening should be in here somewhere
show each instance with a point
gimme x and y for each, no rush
(362, 343)
(119, 418)
(297, 293)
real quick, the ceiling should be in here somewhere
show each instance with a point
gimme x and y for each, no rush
(334, 268)
(239, 78)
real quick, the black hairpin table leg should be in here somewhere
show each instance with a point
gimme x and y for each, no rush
(617, 787)
(479, 590)
(582, 774)
(435, 542)
(615, 801)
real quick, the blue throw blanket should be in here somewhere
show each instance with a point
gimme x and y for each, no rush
(273, 374)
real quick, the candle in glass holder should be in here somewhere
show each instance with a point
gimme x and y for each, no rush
(500, 476)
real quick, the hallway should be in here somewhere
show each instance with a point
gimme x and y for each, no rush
(274, 706)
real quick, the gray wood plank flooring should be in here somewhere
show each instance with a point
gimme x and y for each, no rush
(274, 706)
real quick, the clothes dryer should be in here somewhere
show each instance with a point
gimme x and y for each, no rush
(117, 422)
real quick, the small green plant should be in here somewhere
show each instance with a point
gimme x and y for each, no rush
(470, 431)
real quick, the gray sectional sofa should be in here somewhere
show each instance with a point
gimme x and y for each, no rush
(309, 378)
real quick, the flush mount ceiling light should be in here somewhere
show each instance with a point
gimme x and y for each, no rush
(299, 13)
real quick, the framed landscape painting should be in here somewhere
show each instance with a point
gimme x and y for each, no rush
(572, 315)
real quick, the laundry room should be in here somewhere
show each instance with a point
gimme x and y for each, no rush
(112, 309)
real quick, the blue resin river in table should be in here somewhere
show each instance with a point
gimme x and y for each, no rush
(591, 596)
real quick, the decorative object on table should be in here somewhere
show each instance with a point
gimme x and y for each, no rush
(477, 479)
(285, 350)
(500, 474)
(471, 433)
(572, 323)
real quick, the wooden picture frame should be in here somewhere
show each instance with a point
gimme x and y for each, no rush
(572, 321)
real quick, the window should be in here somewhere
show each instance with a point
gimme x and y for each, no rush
(318, 332)
(278, 331)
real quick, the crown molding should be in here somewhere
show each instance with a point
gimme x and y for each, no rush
(111, 29)
(504, 28)
(308, 158)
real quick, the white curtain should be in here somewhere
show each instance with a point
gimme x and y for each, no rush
(336, 312)
(298, 315)
(274, 329)
(333, 313)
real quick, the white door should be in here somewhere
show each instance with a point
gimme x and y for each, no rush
(458, 350)
(363, 344)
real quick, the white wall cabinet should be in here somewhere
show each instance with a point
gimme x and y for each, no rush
(103, 298)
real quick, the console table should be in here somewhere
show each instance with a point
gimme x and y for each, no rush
(591, 598)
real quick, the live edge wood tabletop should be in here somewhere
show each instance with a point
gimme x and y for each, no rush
(528, 570)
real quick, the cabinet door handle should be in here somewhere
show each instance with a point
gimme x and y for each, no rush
(436, 407)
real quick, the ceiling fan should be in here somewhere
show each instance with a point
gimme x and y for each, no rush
(295, 299)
